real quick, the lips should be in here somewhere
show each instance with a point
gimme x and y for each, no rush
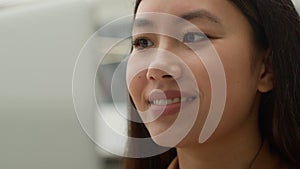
(168, 102)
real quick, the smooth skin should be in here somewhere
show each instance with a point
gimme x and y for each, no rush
(237, 139)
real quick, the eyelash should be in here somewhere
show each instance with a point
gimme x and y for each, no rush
(195, 40)
(136, 43)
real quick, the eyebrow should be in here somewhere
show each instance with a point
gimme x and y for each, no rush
(140, 22)
(203, 14)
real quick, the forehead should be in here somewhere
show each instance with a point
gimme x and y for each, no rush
(177, 7)
(229, 15)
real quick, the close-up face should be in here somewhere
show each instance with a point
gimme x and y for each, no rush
(169, 72)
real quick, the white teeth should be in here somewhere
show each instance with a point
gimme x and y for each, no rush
(183, 99)
(172, 101)
(176, 100)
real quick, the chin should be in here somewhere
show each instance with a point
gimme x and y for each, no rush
(166, 135)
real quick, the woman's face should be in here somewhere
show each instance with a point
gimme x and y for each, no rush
(167, 77)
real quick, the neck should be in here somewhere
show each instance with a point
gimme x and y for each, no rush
(235, 151)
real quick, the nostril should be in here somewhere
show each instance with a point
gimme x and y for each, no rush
(151, 78)
(167, 76)
(163, 72)
(157, 76)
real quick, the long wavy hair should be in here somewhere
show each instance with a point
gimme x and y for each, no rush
(276, 26)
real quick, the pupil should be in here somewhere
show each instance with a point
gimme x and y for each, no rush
(189, 38)
(143, 42)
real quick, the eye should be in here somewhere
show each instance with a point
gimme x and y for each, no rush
(192, 37)
(142, 43)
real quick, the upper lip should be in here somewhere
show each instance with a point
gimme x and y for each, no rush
(169, 94)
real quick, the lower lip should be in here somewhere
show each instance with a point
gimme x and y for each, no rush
(170, 109)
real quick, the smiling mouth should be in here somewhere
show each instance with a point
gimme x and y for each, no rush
(163, 102)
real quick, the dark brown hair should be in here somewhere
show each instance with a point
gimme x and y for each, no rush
(276, 26)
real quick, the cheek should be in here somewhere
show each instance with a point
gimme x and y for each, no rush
(204, 86)
(237, 57)
(240, 78)
(136, 88)
(241, 88)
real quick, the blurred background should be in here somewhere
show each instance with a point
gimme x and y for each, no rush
(39, 44)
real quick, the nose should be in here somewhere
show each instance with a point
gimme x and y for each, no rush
(165, 64)
(163, 70)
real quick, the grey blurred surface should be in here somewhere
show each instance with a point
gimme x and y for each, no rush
(297, 4)
(39, 45)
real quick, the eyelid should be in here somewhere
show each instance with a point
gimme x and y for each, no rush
(135, 42)
(195, 33)
(140, 36)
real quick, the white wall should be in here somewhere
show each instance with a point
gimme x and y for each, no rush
(39, 45)
(108, 10)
